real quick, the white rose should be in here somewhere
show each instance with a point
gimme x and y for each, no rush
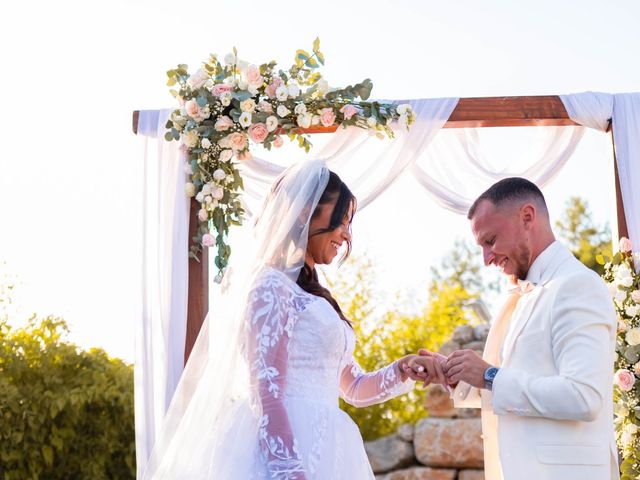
(189, 189)
(225, 99)
(272, 123)
(217, 193)
(371, 121)
(315, 120)
(620, 296)
(198, 79)
(248, 105)
(230, 59)
(403, 109)
(208, 199)
(633, 337)
(636, 369)
(190, 139)
(281, 93)
(187, 169)
(294, 90)
(626, 281)
(632, 311)
(206, 143)
(242, 85)
(200, 197)
(245, 119)
(300, 109)
(635, 296)
(225, 155)
(283, 111)
(304, 121)
(219, 174)
(206, 189)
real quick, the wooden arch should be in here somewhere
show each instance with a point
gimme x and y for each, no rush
(469, 113)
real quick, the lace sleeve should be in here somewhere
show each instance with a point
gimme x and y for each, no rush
(272, 317)
(362, 389)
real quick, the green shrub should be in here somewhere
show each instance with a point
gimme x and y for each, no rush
(65, 413)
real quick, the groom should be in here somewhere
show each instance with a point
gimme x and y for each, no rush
(545, 379)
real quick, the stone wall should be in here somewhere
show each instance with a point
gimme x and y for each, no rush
(445, 446)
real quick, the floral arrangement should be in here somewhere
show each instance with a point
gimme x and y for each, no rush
(225, 107)
(624, 284)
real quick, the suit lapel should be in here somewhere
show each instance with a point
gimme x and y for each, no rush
(521, 319)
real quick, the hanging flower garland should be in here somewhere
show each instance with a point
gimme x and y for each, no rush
(226, 107)
(624, 284)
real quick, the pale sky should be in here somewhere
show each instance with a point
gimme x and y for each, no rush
(73, 72)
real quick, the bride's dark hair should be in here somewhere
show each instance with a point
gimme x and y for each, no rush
(345, 208)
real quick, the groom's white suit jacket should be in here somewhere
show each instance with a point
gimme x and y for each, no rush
(550, 414)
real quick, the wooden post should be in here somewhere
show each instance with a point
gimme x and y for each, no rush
(623, 231)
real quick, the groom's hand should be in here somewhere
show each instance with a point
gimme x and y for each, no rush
(465, 365)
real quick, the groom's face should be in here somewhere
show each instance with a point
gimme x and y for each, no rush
(503, 238)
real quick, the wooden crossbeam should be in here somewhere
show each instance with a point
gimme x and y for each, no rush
(469, 113)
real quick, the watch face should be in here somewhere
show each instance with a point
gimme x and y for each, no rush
(490, 374)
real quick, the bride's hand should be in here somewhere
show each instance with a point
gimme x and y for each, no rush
(423, 368)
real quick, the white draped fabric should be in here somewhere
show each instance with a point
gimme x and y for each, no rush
(160, 332)
(594, 109)
(453, 165)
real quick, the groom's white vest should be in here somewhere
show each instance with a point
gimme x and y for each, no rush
(550, 415)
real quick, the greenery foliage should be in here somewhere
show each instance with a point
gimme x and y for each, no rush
(65, 413)
(385, 336)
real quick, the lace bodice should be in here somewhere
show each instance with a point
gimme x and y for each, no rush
(300, 348)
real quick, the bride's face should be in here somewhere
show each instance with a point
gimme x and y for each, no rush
(322, 248)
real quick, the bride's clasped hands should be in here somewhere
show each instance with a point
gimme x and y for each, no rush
(434, 368)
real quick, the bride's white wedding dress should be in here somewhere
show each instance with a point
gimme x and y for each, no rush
(301, 357)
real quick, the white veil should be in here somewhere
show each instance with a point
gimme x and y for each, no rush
(209, 422)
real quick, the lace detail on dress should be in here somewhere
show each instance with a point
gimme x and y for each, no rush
(362, 389)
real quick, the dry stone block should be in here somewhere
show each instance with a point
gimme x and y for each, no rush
(450, 443)
(420, 473)
(471, 475)
(438, 402)
(463, 334)
(449, 347)
(388, 453)
(405, 432)
(480, 332)
(476, 345)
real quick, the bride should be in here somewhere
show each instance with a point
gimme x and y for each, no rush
(259, 396)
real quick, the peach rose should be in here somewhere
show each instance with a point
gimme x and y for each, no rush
(258, 132)
(327, 117)
(635, 296)
(208, 240)
(265, 107)
(193, 109)
(278, 142)
(238, 141)
(203, 215)
(253, 76)
(221, 88)
(624, 379)
(348, 111)
(223, 124)
(625, 245)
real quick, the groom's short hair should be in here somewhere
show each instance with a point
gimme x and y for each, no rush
(510, 190)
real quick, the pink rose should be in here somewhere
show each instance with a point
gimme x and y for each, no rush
(273, 86)
(223, 123)
(253, 76)
(258, 132)
(265, 107)
(625, 245)
(327, 117)
(278, 142)
(624, 379)
(238, 141)
(208, 240)
(221, 88)
(246, 155)
(203, 215)
(348, 111)
(635, 296)
(193, 109)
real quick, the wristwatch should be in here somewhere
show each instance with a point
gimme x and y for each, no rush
(489, 374)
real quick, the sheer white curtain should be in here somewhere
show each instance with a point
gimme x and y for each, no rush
(594, 109)
(160, 333)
